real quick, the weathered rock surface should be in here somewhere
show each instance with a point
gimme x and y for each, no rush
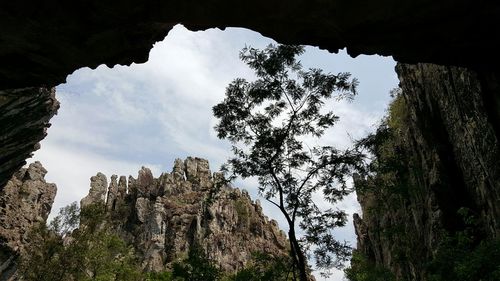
(163, 217)
(25, 201)
(42, 42)
(450, 151)
(24, 119)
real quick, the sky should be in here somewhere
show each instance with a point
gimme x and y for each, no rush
(116, 120)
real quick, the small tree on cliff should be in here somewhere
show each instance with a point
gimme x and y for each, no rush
(267, 121)
(66, 250)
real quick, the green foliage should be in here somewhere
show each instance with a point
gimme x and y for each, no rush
(196, 267)
(266, 267)
(67, 220)
(461, 256)
(45, 260)
(243, 212)
(267, 121)
(459, 261)
(387, 174)
(90, 252)
(363, 270)
(464, 256)
(160, 276)
(397, 113)
(386, 187)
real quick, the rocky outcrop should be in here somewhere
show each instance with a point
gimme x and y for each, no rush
(448, 109)
(43, 42)
(25, 201)
(24, 119)
(444, 160)
(163, 217)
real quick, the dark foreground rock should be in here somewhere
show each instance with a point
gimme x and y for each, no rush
(24, 119)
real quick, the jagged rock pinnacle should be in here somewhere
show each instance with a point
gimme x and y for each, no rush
(162, 217)
(25, 201)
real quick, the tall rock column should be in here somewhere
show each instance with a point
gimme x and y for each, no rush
(447, 152)
(448, 108)
(25, 201)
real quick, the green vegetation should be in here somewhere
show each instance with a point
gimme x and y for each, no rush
(386, 187)
(69, 250)
(462, 255)
(243, 213)
(457, 260)
(265, 267)
(364, 270)
(465, 256)
(160, 276)
(196, 267)
(267, 121)
(61, 251)
(387, 174)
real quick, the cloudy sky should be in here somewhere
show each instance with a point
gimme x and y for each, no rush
(115, 120)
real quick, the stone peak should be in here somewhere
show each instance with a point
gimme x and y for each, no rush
(35, 172)
(190, 174)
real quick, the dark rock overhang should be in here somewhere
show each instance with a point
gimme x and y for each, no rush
(41, 42)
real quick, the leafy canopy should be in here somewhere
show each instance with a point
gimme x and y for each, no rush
(264, 266)
(93, 251)
(196, 267)
(268, 122)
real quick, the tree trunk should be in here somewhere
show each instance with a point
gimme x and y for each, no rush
(298, 256)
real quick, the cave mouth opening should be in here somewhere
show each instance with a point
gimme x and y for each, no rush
(118, 119)
(115, 120)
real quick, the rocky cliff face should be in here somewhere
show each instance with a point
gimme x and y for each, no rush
(24, 119)
(25, 201)
(162, 217)
(447, 153)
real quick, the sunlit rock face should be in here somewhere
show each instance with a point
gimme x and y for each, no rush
(450, 144)
(44, 41)
(25, 201)
(24, 119)
(163, 217)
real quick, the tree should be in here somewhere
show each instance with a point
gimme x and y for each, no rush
(264, 266)
(93, 251)
(267, 122)
(362, 269)
(43, 260)
(196, 267)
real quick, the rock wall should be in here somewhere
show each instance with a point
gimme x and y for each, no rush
(25, 201)
(162, 217)
(448, 151)
(449, 108)
(24, 119)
